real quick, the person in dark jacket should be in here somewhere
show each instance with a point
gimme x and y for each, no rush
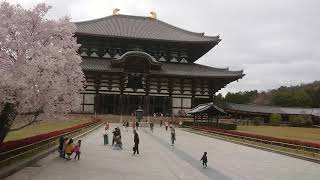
(204, 160)
(127, 125)
(137, 125)
(61, 141)
(136, 143)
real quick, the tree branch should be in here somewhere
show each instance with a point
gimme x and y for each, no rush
(34, 120)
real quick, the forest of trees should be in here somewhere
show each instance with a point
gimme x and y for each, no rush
(305, 95)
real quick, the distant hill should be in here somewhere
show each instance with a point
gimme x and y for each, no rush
(304, 95)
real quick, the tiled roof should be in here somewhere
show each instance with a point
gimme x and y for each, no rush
(174, 69)
(138, 27)
(272, 109)
(204, 107)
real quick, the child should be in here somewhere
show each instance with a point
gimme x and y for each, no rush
(76, 149)
(204, 160)
(69, 149)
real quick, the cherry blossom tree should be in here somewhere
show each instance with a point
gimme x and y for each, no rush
(40, 73)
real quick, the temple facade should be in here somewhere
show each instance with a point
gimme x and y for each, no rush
(132, 61)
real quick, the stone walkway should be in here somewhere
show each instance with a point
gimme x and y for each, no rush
(158, 160)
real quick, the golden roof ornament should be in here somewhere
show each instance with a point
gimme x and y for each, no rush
(154, 15)
(115, 11)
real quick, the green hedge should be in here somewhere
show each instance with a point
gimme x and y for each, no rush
(275, 119)
(212, 125)
(300, 120)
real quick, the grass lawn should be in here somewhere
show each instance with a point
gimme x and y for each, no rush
(307, 134)
(43, 127)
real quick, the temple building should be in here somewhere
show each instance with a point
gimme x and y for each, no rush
(132, 61)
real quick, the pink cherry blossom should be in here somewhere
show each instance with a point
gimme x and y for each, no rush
(39, 64)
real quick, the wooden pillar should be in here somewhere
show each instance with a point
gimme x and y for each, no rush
(96, 96)
(170, 89)
(121, 97)
(193, 93)
(114, 104)
(147, 97)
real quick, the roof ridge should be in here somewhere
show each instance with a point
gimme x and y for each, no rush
(272, 106)
(187, 31)
(148, 18)
(222, 69)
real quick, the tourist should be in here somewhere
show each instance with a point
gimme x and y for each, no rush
(105, 138)
(137, 125)
(204, 160)
(136, 142)
(117, 137)
(65, 143)
(151, 126)
(173, 135)
(60, 149)
(161, 123)
(166, 124)
(107, 126)
(127, 125)
(133, 125)
(115, 133)
(69, 149)
(76, 149)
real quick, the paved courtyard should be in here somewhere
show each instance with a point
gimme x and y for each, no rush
(158, 160)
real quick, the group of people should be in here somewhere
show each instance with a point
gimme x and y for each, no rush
(116, 139)
(135, 125)
(67, 148)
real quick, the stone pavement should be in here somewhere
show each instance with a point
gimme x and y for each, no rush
(158, 160)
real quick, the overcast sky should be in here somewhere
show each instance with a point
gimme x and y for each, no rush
(275, 42)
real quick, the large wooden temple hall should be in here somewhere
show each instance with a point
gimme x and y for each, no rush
(132, 61)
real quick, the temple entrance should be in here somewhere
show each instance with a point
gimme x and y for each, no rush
(107, 103)
(132, 102)
(157, 105)
(110, 104)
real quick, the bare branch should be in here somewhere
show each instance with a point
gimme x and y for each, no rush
(34, 120)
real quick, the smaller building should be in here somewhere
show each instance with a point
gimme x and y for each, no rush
(248, 111)
(206, 112)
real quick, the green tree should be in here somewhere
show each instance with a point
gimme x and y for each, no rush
(275, 119)
(291, 98)
(241, 97)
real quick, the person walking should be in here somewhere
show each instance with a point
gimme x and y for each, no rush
(107, 126)
(136, 142)
(127, 125)
(105, 138)
(151, 126)
(133, 125)
(173, 135)
(204, 160)
(161, 123)
(76, 149)
(166, 124)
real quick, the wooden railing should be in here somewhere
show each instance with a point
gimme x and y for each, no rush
(315, 152)
(16, 154)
